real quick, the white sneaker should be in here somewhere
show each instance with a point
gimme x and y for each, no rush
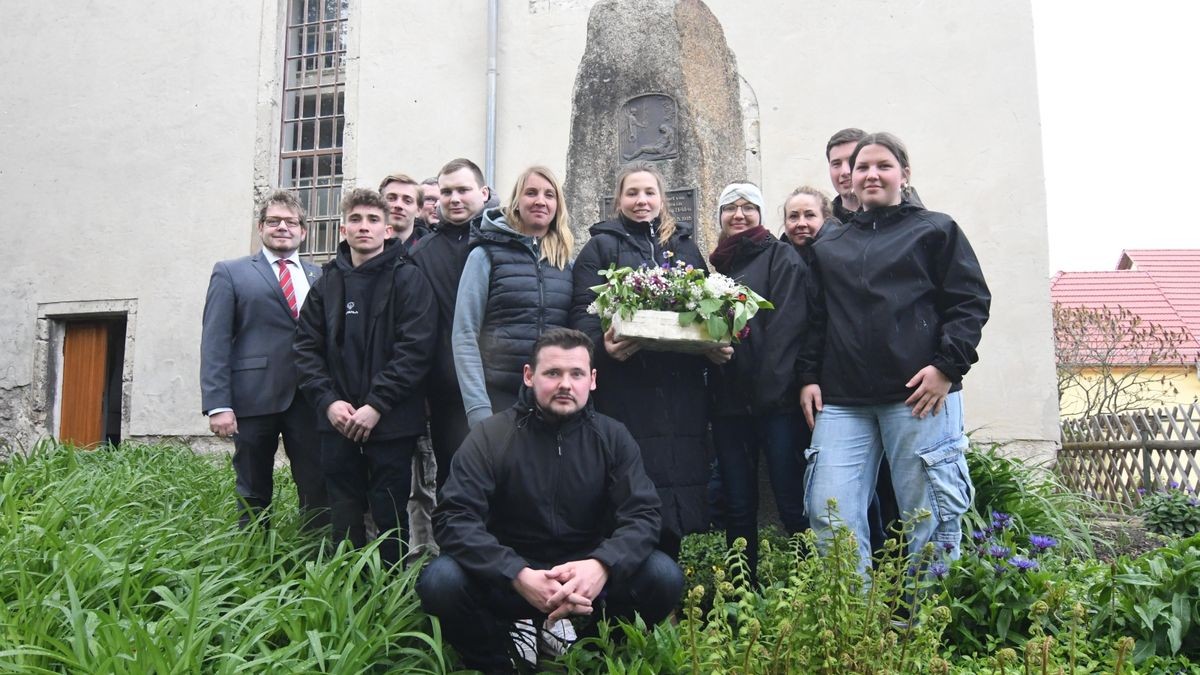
(556, 638)
(525, 639)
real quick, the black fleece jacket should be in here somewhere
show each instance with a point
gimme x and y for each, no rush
(526, 490)
(901, 290)
(389, 349)
(442, 256)
(762, 377)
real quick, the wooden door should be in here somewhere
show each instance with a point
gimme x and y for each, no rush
(85, 350)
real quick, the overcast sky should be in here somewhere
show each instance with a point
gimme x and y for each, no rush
(1118, 85)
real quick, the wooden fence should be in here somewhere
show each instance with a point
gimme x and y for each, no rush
(1111, 457)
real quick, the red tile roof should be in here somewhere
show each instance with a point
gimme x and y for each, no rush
(1159, 285)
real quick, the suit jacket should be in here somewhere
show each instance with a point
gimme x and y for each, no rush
(246, 360)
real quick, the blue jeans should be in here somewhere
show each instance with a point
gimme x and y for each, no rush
(738, 440)
(928, 467)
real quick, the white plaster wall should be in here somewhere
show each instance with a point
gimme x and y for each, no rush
(129, 130)
(422, 94)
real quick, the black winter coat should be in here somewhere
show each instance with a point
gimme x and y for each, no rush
(524, 490)
(398, 349)
(762, 376)
(902, 289)
(441, 256)
(660, 396)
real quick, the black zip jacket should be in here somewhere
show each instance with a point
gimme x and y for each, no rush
(901, 290)
(762, 376)
(441, 256)
(525, 490)
(841, 213)
(394, 349)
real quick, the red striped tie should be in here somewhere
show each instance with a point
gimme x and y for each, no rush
(285, 283)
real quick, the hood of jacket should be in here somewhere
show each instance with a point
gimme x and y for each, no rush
(493, 228)
(624, 227)
(528, 412)
(392, 249)
(885, 216)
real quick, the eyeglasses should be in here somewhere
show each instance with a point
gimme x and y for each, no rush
(274, 221)
(733, 208)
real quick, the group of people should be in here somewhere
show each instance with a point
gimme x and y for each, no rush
(571, 462)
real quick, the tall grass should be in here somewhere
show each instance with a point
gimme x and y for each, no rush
(129, 560)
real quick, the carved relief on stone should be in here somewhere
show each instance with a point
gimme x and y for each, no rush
(648, 127)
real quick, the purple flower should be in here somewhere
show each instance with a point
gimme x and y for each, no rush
(1174, 485)
(1041, 543)
(1193, 502)
(998, 551)
(947, 546)
(939, 570)
(1141, 492)
(979, 535)
(999, 568)
(1023, 564)
(1001, 521)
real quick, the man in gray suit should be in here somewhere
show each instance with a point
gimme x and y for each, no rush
(248, 376)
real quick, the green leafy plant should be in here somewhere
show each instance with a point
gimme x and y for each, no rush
(1174, 511)
(994, 588)
(716, 302)
(1155, 598)
(129, 560)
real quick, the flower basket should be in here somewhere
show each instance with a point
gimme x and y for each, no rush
(660, 331)
(675, 308)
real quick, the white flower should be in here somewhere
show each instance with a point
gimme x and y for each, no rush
(719, 285)
(593, 308)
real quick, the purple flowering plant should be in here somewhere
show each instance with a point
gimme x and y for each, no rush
(992, 588)
(721, 304)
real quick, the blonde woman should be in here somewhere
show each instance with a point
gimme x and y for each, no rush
(660, 396)
(515, 286)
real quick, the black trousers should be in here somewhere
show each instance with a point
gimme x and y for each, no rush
(447, 430)
(475, 615)
(254, 461)
(375, 475)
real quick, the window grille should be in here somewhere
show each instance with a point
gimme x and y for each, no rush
(314, 116)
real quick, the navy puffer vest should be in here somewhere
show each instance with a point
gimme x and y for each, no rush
(526, 297)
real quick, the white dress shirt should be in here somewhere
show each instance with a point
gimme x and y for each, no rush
(300, 283)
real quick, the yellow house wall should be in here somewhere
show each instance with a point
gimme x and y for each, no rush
(1182, 379)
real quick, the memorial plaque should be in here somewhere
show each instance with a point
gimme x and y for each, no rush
(681, 204)
(673, 100)
(649, 128)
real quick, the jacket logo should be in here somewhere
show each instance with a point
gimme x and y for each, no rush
(350, 308)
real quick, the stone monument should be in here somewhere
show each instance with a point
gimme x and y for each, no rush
(657, 83)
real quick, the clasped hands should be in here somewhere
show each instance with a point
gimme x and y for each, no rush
(353, 423)
(564, 590)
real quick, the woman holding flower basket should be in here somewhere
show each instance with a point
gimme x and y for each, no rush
(756, 395)
(895, 330)
(659, 396)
